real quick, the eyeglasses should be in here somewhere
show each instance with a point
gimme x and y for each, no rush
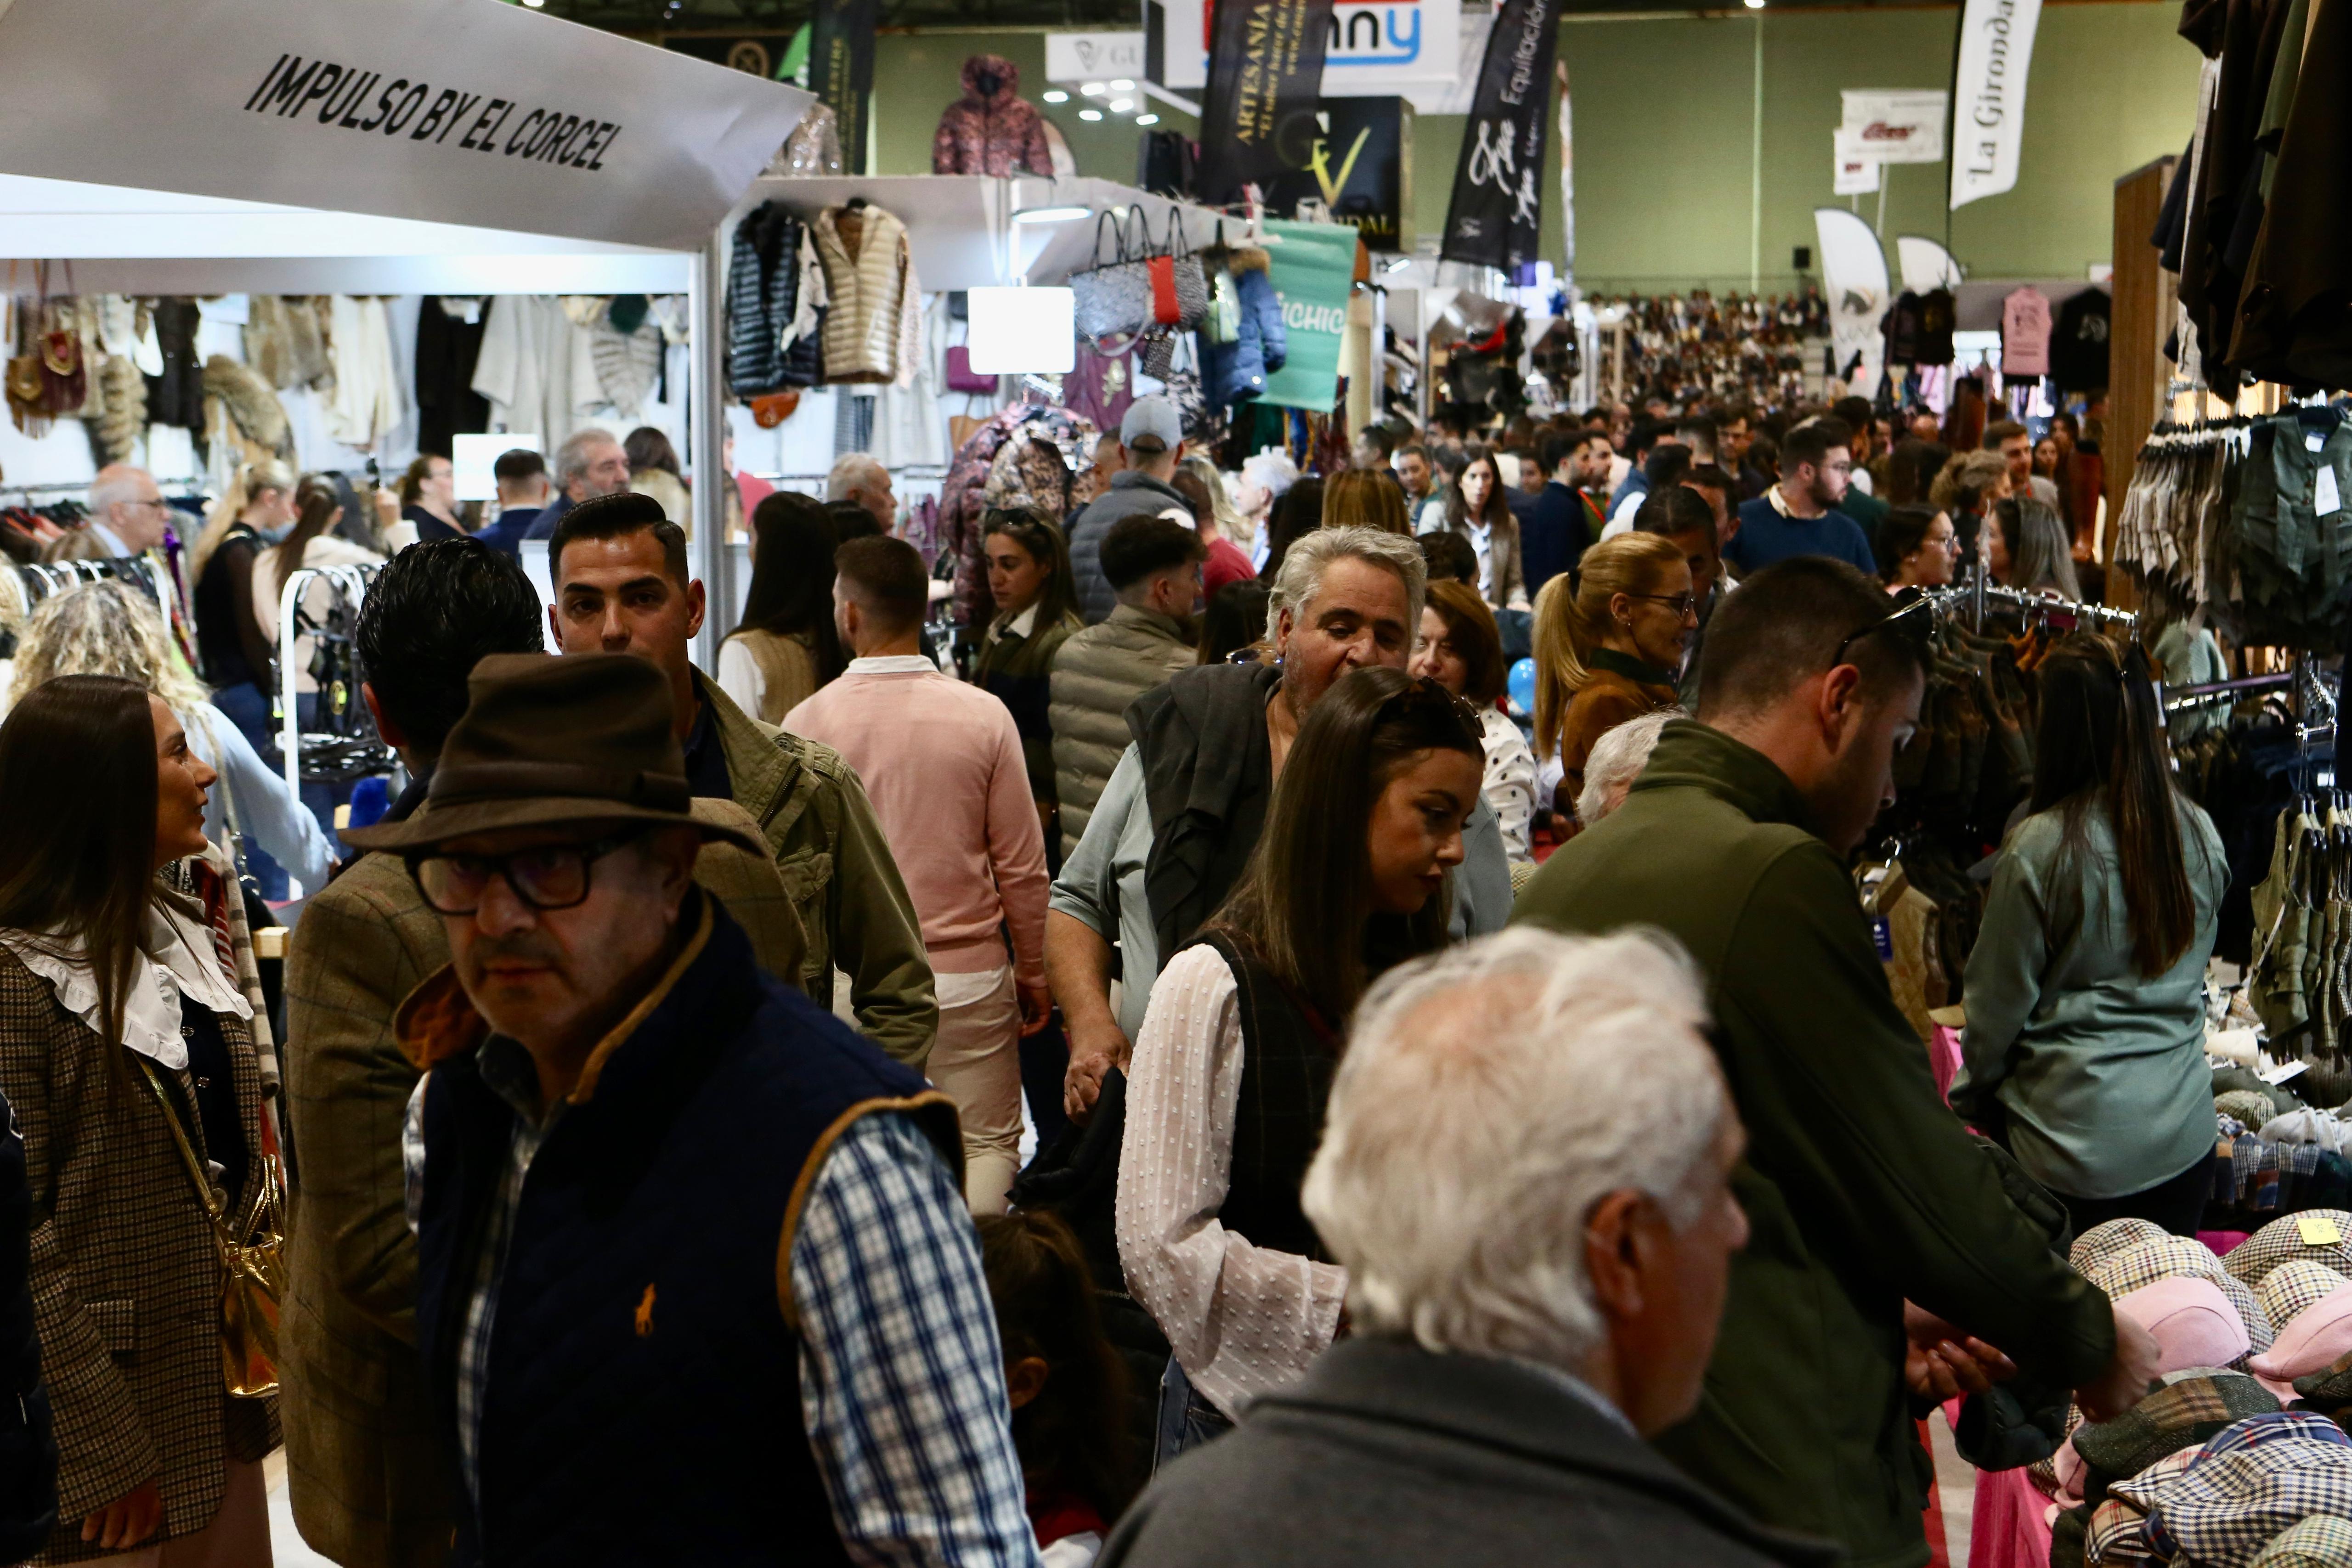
(545, 876)
(1915, 623)
(1681, 604)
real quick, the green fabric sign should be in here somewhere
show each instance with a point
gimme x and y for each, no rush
(1313, 270)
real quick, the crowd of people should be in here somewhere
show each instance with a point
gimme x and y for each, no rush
(1473, 1124)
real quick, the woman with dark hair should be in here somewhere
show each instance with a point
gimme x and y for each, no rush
(1918, 548)
(785, 647)
(1068, 1385)
(1037, 612)
(126, 1049)
(1476, 508)
(2086, 1035)
(654, 471)
(428, 498)
(1298, 512)
(311, 542)
(1361, 497)
(1460, 649)
(1232, 1066)
(1912, 470)
(2026, 548)
(1233, 623)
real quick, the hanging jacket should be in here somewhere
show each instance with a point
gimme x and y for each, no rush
(867, 284)
(992, 130)
(763, 286)
(1236, 372)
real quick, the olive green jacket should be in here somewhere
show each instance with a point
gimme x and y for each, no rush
(1862, 1189)
(830, 850)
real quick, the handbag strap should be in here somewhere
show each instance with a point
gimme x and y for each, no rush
(1118, 235)
(263, 1201)
(1180, 244)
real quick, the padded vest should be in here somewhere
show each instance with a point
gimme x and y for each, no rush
(643, 1403)
(1287, 1062)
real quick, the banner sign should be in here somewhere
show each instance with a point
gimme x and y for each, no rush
(1890, 127)
(1567, 182)
(1259, 117)
(841, 69)
(1989, 95)
(1372, 47)
(454, 111)
(1313, 271)
(1851, 176)
(1853, 276)
(1925, 263)
(1495, 217)
(1360, 166)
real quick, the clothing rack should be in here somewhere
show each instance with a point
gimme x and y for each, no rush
(1976, 593)
(41, 579)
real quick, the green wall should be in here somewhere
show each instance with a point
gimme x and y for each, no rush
(1663, 112)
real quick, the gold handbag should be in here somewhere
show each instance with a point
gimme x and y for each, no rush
(256, 1270)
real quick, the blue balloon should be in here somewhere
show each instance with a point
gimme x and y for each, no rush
(1522, 686)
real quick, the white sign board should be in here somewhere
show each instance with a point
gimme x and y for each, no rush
(475, 461)
(1988, 112)
(1375, 46)
(1904, 127)
(1851, 176)
(1093, 57)
(1018, 330)
(455, 112)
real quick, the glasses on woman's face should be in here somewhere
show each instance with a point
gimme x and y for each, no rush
(1683, 605)
(545, 876)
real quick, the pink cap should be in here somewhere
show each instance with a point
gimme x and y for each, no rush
(2191, 1321)
(2320, 1333)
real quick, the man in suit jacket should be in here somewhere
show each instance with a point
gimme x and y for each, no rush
(1523, 1316)
(367, 1460)
(1563, 520)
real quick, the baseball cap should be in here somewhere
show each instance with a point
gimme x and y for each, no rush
(1155, 417)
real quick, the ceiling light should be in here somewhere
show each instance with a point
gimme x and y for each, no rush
(1756, 4)
(1052, 215)
(1090, 114)
(1147, 120)
(1122, 85)
(1121, 105)
(1056, 96)
(534, 4)
(1093, 90)
(1399, 264)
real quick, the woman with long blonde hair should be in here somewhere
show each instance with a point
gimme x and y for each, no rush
(1359, 497)
(1609, 639)
(112, 628)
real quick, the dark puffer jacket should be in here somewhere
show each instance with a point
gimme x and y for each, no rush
(1236, 372)
(991, 130)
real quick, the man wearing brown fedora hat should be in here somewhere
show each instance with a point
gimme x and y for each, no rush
(621, 587)
(662, 1199)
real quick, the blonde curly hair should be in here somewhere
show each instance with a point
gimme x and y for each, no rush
(103, 629)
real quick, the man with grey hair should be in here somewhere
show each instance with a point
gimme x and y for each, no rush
(859, 478)
(1184, 808)
(1530, 1293)
(127, 517)
(590, 464)
(1617, 759)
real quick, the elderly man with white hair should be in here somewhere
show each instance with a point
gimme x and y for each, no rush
(1183, 810)
(859, 478)
(127, 517)
(1525, 1173)
(590, 463)
(1616, 760)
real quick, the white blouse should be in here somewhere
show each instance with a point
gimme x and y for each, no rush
(1243, 1320)
(1510, 786)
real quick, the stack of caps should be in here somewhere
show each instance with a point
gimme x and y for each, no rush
(2128, 1255)
(2301, 1268)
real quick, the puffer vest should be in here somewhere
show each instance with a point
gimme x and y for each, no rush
(868, 290)
(643, 1401)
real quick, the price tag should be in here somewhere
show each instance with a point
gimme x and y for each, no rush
(2318, 1231)
(2314, 440)
(1882, 933)
(2323, 497)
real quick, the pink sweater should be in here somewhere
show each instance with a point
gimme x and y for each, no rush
(941, 762)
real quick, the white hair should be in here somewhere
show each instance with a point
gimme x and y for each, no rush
(1272, 472)
(854, 471)
(116, 482)
(1617, 759)
(571, 457)
(1490, 1096)
(1304, 564)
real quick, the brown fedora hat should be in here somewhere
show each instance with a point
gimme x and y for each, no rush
(546, 740)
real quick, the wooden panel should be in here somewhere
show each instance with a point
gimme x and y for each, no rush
(2138, 370)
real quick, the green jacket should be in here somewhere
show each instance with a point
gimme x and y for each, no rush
(1861, 1188)
(2100, 1069)
(829, 849)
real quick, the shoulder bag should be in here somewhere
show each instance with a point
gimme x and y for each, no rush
(255, 1270)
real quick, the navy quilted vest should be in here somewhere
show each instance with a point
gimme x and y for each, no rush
(644, 1393)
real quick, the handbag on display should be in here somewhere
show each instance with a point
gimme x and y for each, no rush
(255, 1270)
(962, 376)
(1114, 298)
(770, 410)
(1192, 284)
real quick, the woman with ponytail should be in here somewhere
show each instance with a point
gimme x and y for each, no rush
(255, 513)
(1608, 641)
(2085, 1040)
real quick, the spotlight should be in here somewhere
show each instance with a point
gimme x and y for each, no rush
(1122, 85)
(1399, 264)
(1120, 105)
(1051, 214)
(1147, 120)
(1090, 114)
(1093, 90)
(1056, 96)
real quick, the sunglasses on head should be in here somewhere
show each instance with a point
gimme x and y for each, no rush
(1913, 620)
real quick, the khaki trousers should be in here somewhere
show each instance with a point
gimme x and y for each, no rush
(976, 1062)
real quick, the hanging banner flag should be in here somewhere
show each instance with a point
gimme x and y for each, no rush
(841, 69)
(1373, 48)
(1313, 271)
(1925, 263)
(1360, 167)
(1265, 78)
(1893, 127)
(1853, 276)
(1566, 185)
(1852, 176)
(1989, 95)
(1495, 217)
(453, 112)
